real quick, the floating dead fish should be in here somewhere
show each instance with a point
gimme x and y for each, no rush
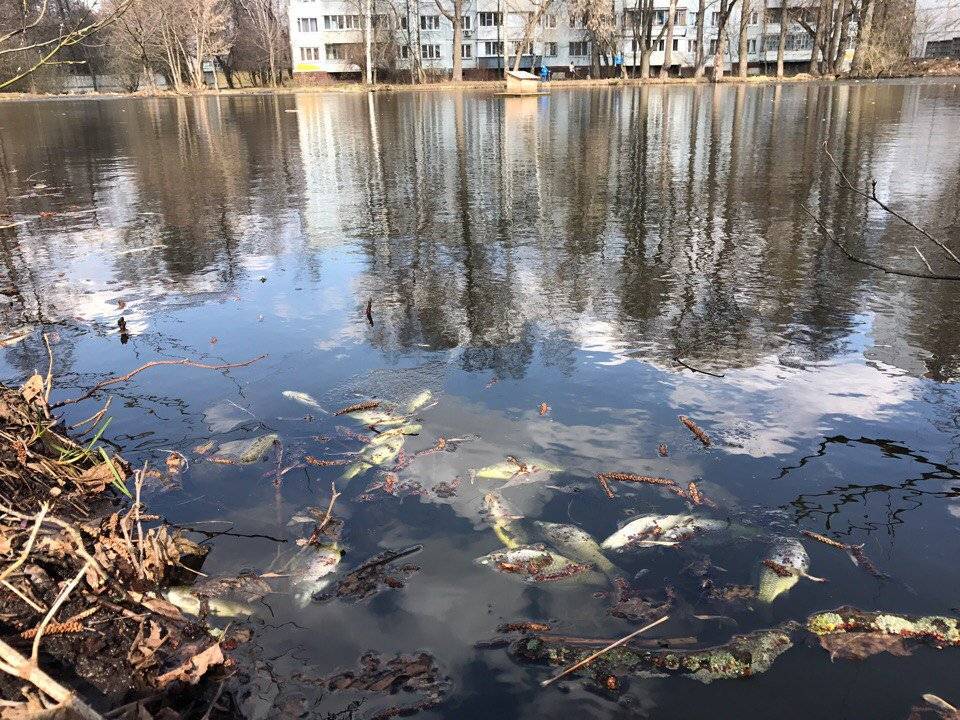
(304, 399)
(312, 570)
(515, 470)
(781, 567)
(419, 401)
(375, 455)
(245, 451)
(536, 564)
(184, 598)
(16, 336)
(226, 416)
(575, 543)
(650, 530)
(408, 429)
(377, 417)
(501, 518)
(131, 251)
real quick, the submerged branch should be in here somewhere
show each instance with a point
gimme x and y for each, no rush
(154, 363)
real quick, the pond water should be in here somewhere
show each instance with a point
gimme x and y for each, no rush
(565, 250)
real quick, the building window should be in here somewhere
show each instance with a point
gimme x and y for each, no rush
(752, 46)
(715, 19)
(713, 46)
(341, 22)
(660, 17)
(404, 52)
(309, 53)
(548, 21)
(429, 22)
(692, 46)
(754, 17)
(680, 18)
(691, 18)
(489, 19)
(492, 47)
(335, 52)
(466, 22)
(676, 44)
(659, 45)
(578, 21)
(307, 25)
(404, 25)
(578, 49)
(430, 52)
(770, 42)
(550, 49)
(466, 51)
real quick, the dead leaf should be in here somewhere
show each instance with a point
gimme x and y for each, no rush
(162, 607)
(32, 388)
(861, 645)
(213, 340)
(195, 668)
(205, 448)
(544, 409)
(174, 463)
(95, 479)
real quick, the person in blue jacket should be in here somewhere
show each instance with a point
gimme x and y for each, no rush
(544, 73)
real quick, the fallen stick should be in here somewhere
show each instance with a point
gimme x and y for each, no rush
(695, 429)
(611, 646)
(696, 369)
(154, 363)
(15, 664)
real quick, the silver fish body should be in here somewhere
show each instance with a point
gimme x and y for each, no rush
(575, 543)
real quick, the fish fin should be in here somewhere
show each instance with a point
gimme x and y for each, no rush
(509, 542)
(815, 579)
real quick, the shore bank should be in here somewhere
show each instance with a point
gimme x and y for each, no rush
(931, 68)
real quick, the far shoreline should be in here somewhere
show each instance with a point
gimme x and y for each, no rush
(485, 85)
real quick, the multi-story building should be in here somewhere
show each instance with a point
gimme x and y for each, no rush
(328, 37)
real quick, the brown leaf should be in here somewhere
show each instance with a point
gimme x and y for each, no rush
(205, 448)
(174, 463)
(861, 645)
(195, 668)
(95, 479)
(32, 388)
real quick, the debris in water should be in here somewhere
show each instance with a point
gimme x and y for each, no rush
(245, 452)
(493, 381)
(855, 552)
(662, 450)
(640, 605)
(528, 627)
(226, 416)
(695, 429)
(824, 539)
(369, 577)
(419, 400)
(369, 312)
(204, 448)
(410, 673)
(444, 489)
(358, 407)
(937, 630)
(325, 462)
(742, 657)
(693, 492)
(934, 708)
(544, 409)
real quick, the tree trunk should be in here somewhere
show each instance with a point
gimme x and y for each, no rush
(668, 47)
(840, 49)
(701, 54)
(863, 37)
(457, 40)
(782, 40)
(725, 7)
(818, 39)
(743, 60)
(645, 63)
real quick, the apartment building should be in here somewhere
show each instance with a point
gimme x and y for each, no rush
(328, 36)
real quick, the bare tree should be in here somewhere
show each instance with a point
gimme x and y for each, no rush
(264, 25)
(601, 25)
(32, 42)
(726, 7)
(135, 50)
(782, 37)
(743, 60)
(668, 47)
(206, 24)
(700, 57)
(532, 21)
(643, 17)
(864, 32)
(455, 16)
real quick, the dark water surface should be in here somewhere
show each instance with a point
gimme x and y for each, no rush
(572, 247)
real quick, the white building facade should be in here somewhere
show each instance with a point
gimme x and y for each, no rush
(328, 36)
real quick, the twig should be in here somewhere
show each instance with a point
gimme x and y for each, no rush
(869, 263)
(95, 418)
(13, 588)
(333, 498)
(44, 508)
(695, 369)
(611, 646)
(368, 405)
(71, 530)
(49, 382)
(154, 363)
(923, 258)
(873, 196)
(53, 610)
(13, 663)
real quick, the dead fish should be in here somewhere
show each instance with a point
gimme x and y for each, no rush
(304, 399)
(515, 470)
(575, 543)
(419, 401)
(646, 530)
(781, 567)
(16, 336)
(246, 451)
(377, 417)
(501, 518)
(312, 569)
(375, 455)
(535, 564)
(408, 429)
(183, 597)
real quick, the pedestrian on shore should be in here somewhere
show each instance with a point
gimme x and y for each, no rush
(573, 70)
